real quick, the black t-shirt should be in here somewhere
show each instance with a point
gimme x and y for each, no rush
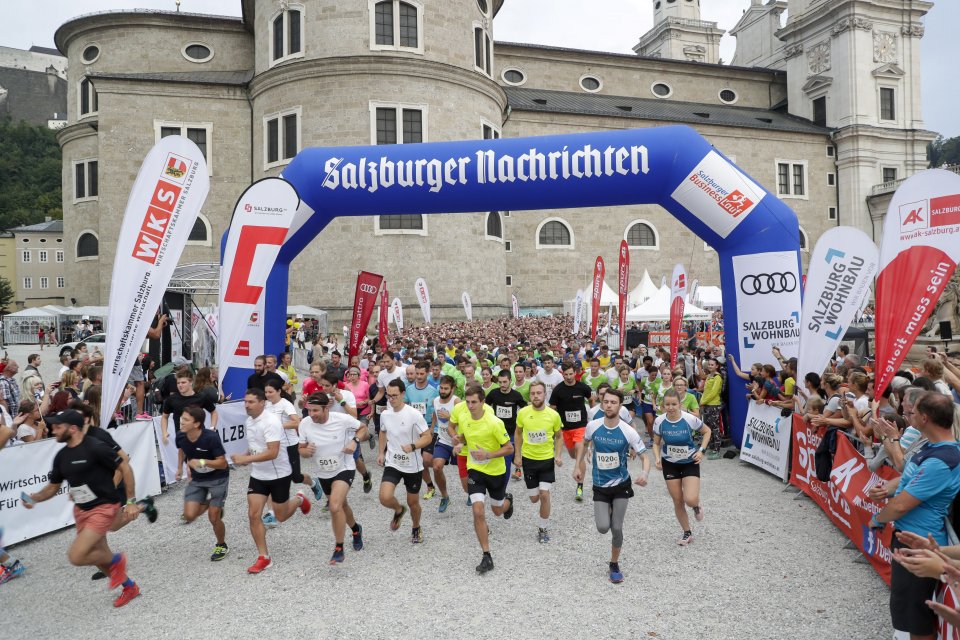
(258, 381)
(570, 401)
(340, 370)
(175, 405)
(207, 447)
(506, 406)
(88, 468)
(103, 436)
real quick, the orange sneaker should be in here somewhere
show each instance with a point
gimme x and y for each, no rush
(128, 594)
(261, 564)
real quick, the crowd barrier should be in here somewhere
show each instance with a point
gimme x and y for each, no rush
(705, 339)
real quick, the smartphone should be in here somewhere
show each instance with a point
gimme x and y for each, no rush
(26, 499)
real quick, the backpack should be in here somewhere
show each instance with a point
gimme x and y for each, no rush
(823, 458)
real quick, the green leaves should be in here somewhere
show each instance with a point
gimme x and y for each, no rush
(30, 175)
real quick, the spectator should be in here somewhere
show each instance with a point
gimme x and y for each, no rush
(28, 423)
(933, 369)
(9, 391)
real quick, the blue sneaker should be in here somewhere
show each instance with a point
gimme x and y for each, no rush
(337, 556)
(317, 490)
(358, 538)
(13, 571)
(444, 503)
(616, 577)
(270, 521)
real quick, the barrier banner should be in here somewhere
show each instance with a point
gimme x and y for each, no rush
(766, 440)
(842, 268)
(423, 297)
(467, 305)
(596, 291)
(918, 255)
(844, 499)
(623, 288)
(364, 297)
(383, 324)
(397, 309)
(578, 311)
(768, 305)
(164, 202)
(26, 467)
(230, 427)
(516, 305)
(678, 297)
(261, 220)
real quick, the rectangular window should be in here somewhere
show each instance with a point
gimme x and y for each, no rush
(412, 126)
(44, 282)
(281, 134)
(386, 126)
(830, 151)
(820, 111)
(783, 178)
(278, 38)
(169, 131)
(199, 138)
(384, 23)
(86, 180)
(80, 181)
(791, 178)
(508, 247)
(509, 281)
(889, 174)
(59, 255)
(43, 255)
(28, 283)
(293, 22)
(398, 124)
(200, 133)
(25, 256)
(290, 143)
(489, 131)
(61, 282)
(396, 25)
(888, 110)
(832, 213)
(831, 179)
(798, 189)
(273, 140)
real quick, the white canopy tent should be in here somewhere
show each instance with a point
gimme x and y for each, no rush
(608, 297)
(657, 309)
(709, 297)
(642, 292)
(21, 327)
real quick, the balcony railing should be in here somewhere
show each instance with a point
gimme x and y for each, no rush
(888, 187)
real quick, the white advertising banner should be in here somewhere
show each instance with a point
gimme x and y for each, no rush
(578, 311)
(260, 224)
(766, 439)
(230, 427)
(397, 309)
(768, 305)
(423, 297)
(842, 268)
(467, 305)
(515, 304)
(170, 189)
(26, 467)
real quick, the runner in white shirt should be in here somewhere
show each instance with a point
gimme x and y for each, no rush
(443, 448)
(343, 401)
(549, 376)
(289, 418)
(330, 439)
(403, 432)
(269, 473)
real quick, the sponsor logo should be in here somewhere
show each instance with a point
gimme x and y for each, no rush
(681, 281)
(177, 167)
(248, 208)
(945, 211)
(254, 317)
(719, 194)
(243, 348)
(367, 288)
(914, 216)
(765, 283)
(736, 203)
(156, 222)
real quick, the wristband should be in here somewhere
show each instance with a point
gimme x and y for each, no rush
(131, 501)
(203, 463)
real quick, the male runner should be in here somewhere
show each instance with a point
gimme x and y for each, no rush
(420, 396)
(270, 474)
(570, 399)
(330, 440)
(594, 376)
(403, 432)
(506, 402)
(520, 382)
(343, 401)
(538, 452)
(184, 397)
(203, 452)
(443, 406)
(549, 376)
(612, 440)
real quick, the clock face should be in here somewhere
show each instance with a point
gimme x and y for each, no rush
(819, 58)
(884, 47)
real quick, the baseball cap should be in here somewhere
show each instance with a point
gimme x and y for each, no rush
(68, 416)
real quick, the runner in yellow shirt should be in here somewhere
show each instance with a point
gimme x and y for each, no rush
(538, 452)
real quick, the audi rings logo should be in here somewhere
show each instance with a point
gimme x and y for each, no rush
(764, 283)
(368, 288)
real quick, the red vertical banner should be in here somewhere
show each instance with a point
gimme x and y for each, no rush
(596, 289)
(383, 322)
(368, 286)
(678, 297)
(623, 288)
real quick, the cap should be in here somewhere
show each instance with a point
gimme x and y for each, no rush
(180, 361)
(68, 416)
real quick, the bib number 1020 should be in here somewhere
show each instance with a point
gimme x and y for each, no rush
(232, 433)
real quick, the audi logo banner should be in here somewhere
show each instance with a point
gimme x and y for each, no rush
(763, 283)
(368, 287)
(768, 305)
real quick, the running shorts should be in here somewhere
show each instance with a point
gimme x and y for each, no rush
(609, 494)
(411, 481)
(537, 471)
(480, 482)
(572, 436)
(674, 471)
(278, 490)
(344, 476)
(211, 492)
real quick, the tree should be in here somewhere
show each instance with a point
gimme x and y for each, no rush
(7, 295)
(30, 174)
(944, 151)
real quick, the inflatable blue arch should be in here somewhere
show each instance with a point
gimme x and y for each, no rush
(673, 167)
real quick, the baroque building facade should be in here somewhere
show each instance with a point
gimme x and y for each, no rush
(253, 91)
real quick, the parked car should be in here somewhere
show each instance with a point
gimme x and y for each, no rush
(97, 342)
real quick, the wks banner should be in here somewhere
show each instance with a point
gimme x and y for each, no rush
(842, 268)
(596, 290)
(397, 310)
(516, 305)
(844, 498)
(231, 417)
(623, 289)
(918, 254)
(261, 220)
(467, 305)
(423, 297)
(170, 189)
(578, 311)
(678, 298)
(383, 322)
(766, 440)
(364, 297)
(768, 305)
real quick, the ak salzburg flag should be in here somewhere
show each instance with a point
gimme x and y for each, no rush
(678, 297)
(383, 322)
(842, 268)
(368, 287)
(623, 288)
(918, 255)
(423, 297)
(397, 309)
(596, 290)
(170, 189)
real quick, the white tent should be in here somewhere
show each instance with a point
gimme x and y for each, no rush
(608, 297)
(657, 309)
(709, 297)
(642, 292)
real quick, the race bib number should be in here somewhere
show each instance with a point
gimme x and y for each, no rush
(678, 452)
(475, 461)
(504, 413)
(420, 406)
(380, 408)
(402, 459)
(332, 463)
(627, 398)
(608, 461)
(573, 416)
(254, 450)
(202, 470)
(537, 437)
(81, 494)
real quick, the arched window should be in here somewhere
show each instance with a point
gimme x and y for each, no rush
(412, 223)
(554, 233)
(641, 234)
(88, 246)
(200, 233)
(803, 240)
(494, 226)
(397, 25)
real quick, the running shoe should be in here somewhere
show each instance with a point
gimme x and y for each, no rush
(261, 564)
(149, 510)
(219, 552)
(304, 503)
(616, 576)
(13, 571)
(649, 443)
(128, 594)
(372, 445)
(416, 535)
(397, 517)
(509, 512)
(118, 417)
(367, 483)
(118, 572)
(337, 556)
(542, 536)
(143, 416)
(444, 503)
(326, 507)
(99, 575)
(358, 538)
(686, 539)
(468, 501)
(579, 496)
(517, 474)
(270, 521)
(713, 455)
(486, 564)
(430, 493)
(317, 490)
(698, 513)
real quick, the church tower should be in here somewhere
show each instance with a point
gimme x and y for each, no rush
(855, 67)
(678, 33)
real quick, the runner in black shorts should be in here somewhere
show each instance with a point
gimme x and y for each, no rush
(538, 452)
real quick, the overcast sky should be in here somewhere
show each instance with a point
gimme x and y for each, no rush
(602, 25)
